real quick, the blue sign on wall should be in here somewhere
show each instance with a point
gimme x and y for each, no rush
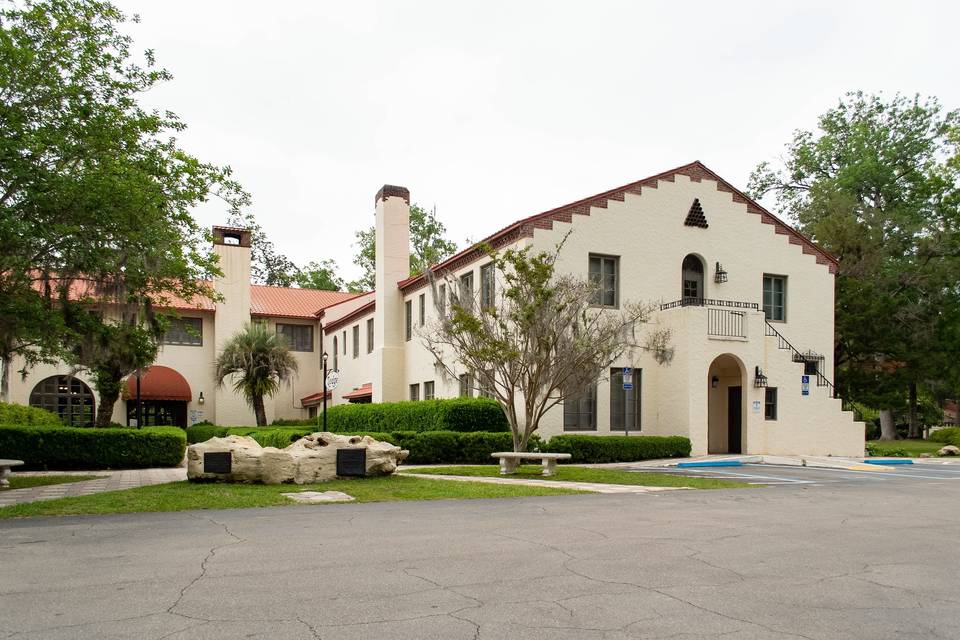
(805, 385)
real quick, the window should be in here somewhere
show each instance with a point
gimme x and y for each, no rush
(186, 331)
(442, 299)
(603, 275)
(692, 277)
(466, 290)
(312, 412)
(580, 410)
(487, 286)
(775, 297)
(408, 326)
(428, 390)
(298, 336)
(344, 342)
(66, 396)
(423, 308)
(770, 404)
(356, 341)
(624, 405)
(415, 391)
(486, 389)
(466, 385)
(370, 335)
(336, 354)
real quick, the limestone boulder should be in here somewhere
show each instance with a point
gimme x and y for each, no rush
(312, 458)
(949, 450)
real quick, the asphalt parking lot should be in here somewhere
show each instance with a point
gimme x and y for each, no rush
(927, 473)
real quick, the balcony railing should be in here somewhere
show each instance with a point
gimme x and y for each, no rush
(709, 302)
(726, 323)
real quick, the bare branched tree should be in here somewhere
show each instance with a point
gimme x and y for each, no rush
(530, 337)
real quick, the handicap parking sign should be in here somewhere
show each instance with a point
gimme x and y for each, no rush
(805, 385)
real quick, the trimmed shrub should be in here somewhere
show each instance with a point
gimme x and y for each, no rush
(950, 435)
(23, 415)
(63, 448)
(593, 449)
(203, 432)
(456, 414)
(452, 447)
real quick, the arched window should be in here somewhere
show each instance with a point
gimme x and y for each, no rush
(67, 396)
(336, 353)
(693, 292)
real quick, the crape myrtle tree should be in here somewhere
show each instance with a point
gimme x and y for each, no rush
(538, 340)
(95, 192)
(878, 185)
(257, 360)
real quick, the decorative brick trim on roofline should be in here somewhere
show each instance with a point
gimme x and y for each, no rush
(388, 190)
(356, 314)
(695, 171)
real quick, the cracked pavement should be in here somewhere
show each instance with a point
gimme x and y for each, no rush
(826, 562)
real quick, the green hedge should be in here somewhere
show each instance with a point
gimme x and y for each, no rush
(593, 449)
(63, 448)
(454, 414)
(23, 415)
(950, 435)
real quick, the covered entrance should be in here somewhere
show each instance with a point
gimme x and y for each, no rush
(725, 397)
(164, 395)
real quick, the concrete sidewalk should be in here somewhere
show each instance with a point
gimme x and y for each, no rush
(109, 481)
(593, 487)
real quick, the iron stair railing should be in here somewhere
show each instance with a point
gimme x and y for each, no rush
(822, 380)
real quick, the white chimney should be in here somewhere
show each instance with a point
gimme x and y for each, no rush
(392, 266)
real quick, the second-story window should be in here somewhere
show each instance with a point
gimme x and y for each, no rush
(344, 342)
(466, 290)
(185, 331)
(408, 325)
(356, 341)
(487, 286)
(775, 297)
(603, 275)
(370, 335)
(298, 336)
(423, 308)
(336, 354)
(441, 301)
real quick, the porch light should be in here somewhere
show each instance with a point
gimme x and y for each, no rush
(759, 380)
(714, 382)
(719, 274)
(200, 400)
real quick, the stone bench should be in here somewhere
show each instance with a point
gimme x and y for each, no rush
(5, 470)
(510, 459)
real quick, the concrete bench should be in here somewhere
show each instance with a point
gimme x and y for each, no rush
(510, 459)
(5, 470)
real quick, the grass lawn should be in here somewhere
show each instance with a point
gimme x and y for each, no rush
(912, 448)
(25, 482)
(590, 474)
(181, 496)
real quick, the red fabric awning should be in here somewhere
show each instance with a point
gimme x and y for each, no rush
(314, 398)
(361, 392)
(159, 383)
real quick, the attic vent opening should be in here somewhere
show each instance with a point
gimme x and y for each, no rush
(696, 217)
(231, 239)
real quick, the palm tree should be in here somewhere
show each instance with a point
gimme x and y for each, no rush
(260, 360)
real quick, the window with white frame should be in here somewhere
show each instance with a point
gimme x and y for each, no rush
(428, 392)
(603, 274)
(466, 385)
(487, 286)
(466, 290)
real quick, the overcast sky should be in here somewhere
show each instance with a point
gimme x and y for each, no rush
(493, 111)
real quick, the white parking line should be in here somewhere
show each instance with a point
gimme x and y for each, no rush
(891, 474)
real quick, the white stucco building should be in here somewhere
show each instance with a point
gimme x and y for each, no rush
(749, 301)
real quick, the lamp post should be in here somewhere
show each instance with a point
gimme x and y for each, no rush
(324, 390)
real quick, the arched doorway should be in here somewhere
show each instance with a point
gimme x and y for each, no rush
(164, 395)
(725, 398)
(692, 291)
(66, 396)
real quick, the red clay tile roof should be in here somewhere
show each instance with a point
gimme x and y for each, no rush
(357, 313)
(313, 398)
(286, 302)
(696, 171)
(362, 392)
(160, 383)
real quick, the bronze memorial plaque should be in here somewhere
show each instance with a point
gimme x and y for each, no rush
(217, 462)
(352, 462)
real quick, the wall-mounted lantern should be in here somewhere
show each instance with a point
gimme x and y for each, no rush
(759, 380)
(714, 382)
(200, 400)
(719, 274)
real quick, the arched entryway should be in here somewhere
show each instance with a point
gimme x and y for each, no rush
(692, 290)
(725, 398)
(164, 395)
